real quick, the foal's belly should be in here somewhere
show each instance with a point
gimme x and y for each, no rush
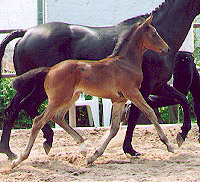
(102, 91)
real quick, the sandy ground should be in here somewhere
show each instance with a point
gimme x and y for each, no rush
(65, 163)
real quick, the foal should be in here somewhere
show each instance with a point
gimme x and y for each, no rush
(118, 77)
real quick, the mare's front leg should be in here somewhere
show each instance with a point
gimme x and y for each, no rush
(175, 97)
(194, 89)
(118, 108)
(136, 98)
(133, 118)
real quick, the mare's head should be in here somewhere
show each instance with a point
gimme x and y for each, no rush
(151, 38)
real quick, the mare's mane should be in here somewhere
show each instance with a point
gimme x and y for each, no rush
(124, 38)
(145, 16)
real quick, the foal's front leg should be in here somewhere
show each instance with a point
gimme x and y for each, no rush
(136, 98)
(118, 108)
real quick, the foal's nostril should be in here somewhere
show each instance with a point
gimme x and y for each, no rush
(168, 50)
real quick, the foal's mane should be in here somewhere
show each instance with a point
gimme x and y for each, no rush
(125, 37)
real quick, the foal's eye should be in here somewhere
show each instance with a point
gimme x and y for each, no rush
(154, 35)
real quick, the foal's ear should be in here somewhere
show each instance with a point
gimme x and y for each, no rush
(149, 20)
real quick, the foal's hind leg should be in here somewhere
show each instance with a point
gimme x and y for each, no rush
(59, 119)
(38, 123)
(30, 104)
(136, 98)
(118, 108)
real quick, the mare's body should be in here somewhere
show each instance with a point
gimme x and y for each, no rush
(48, 44)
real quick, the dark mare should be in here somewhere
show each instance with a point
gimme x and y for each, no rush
(48, 44)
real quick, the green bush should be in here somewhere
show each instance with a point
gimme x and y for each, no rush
(24, 121)
(6, 94)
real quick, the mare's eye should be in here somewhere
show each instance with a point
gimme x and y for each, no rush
(154, 35)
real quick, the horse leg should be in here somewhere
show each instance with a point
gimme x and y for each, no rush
(133, 118)
(55, 104)
(182, 82)
(59, 119)
(194, 89)
(11, 114)
(136, 98)
(116, 118)
(30, 105)
(38, 123)
(176, 97)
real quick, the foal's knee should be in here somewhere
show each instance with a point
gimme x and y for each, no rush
(150, 114)
(114, 130)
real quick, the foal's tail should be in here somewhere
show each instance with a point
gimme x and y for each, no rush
(30, 79)
(13, 35)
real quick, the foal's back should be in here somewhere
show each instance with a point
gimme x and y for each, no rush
(100, 78)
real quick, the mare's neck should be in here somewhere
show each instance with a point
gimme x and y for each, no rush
(173, 20)
(133, 50)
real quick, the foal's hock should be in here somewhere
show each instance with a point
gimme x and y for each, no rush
(118, 77)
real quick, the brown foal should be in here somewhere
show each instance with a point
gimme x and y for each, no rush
(118, 77)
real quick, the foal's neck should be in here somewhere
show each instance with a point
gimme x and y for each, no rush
(134, 49)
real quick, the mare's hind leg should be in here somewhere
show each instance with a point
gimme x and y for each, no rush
(59, 119)
(11, 114)
(116, 118)
(136, 98)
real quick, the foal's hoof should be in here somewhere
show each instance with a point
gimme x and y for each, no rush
(13, 164)
(46, 147)
(90, 161)
(179, 139)
(170, 148)
(84, 152)
(83, 149)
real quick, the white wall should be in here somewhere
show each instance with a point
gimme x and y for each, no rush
(97, 12)
(16, 14)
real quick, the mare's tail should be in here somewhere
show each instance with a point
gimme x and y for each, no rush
(13, 35)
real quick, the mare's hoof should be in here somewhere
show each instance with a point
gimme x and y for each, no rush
(8, 152)
(12, 156)
(46, 147)
(179, 139)
(135, 155)
(129, 151)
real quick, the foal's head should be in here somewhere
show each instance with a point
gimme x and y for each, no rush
(151, 38)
